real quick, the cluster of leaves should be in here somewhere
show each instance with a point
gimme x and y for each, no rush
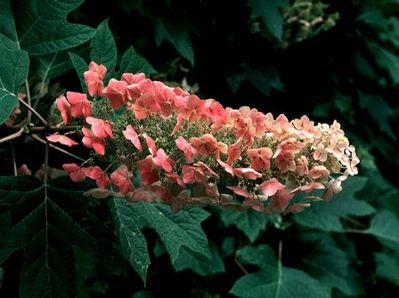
(56, 243)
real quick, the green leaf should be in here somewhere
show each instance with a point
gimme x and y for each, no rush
(80, 66)
(379, 110)
(269, 12)
(84, 268)
(386, 60)
(131, 238)
(326, 215)
(46, 234)
(177, 35)
(384, 226)
(176, 230)
(103, 48)
(14, 65)
(135, 63)
(53, 65)
(274, 280)
(331, 266)
(261, 256)
(263, 79)
(5, 225)
(388, 266)
(7, 23)
(43, 28)
(8, 102)
(200, 265)
(250, 222)
(16, 190)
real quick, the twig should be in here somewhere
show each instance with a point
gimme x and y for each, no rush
(12, 136)
(28, 106)
(41, 129)
(14, 161)
(39, 139)
(240, 265)
(354, 221)
(29, 101)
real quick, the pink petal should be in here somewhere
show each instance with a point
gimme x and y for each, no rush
(131, 135)
(64, 140)
(270, 187)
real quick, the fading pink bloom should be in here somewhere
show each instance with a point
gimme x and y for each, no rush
(280, 201)
(302, 165)
(233, 152)
(136, 90)
(193, 109)
(241, 191)
(141, 194)
(216, 113)
(63, 106)
(62, 139)
(91, 141)
(260, 158)
(175, 178)
(100, 128)
(192, 174)
(208, 145)
(131, 135)
(247, 173)
(80, 106)
(152, 147)
(206, 170)
(318, 171)
(116, 93)
(145, 106)
(296, 208)
(320, 153)
(122, 178)
(229, 169)
(306, 128)
(163, 161)
(148, 171)
(244, 127)
(97, 174)
(161, 192)
(311, 186)
(132, 78)
(24, 170)
(94, 78)
(334, 186)
(270, 187)
(76, 173)
(165, 98)
(285, 161)
(290, 145)
(183, 145)
(101, 193)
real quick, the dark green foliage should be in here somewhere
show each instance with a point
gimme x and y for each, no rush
(276, 56)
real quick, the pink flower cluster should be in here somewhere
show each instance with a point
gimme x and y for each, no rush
(186, 150)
